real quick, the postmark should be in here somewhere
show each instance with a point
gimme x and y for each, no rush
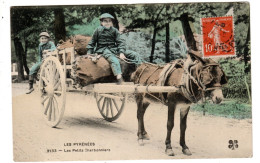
(218, 36)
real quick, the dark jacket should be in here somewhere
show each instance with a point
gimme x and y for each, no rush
(106, 38)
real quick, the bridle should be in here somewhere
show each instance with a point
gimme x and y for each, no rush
(188, 79)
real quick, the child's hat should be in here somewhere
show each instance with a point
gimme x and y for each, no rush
(106, 15)
(44, 34)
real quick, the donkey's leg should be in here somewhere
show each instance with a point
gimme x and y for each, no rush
(144, 133)
(183, 125)
(141, 108)
(170, 125)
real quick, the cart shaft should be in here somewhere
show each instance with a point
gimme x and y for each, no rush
(112, 88)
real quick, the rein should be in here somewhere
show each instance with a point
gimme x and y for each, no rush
(136, 61)
(188, 79)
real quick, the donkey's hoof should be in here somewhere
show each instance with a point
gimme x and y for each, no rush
(146, 137)
(141, 142)
(186, 151)
(169, 152)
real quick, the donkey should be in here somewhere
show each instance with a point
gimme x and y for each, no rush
(196, 79)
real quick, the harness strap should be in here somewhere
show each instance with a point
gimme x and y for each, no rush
(151, 75)
(165, 73)
(139, 77)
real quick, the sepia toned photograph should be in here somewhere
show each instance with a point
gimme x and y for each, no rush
(131, 81)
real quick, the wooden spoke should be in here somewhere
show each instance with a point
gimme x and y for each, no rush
(47, 107)
(57, 92)
(57, 85)
(115, 105)
(48, 73)
(53, 111)
(50, 111)
(107, 107)
(45, 80)
(57, 96)
(54, 71)
(103, 106)
(56, 104)
(46, 98)
(56, 76)
(100, 99)
(53, 68)
(111, 108)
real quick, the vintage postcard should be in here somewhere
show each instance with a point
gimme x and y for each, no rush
(131, 81)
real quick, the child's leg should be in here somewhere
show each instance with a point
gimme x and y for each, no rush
(133, 56)
(33, 71)
(35, 68)
(114, 62)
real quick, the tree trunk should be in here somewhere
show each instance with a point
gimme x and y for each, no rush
(248, 90)
(25, 58)
(19, 55)
(246, 51)
(167, 43)
(59, 25)
(153, 43)
(191, 43)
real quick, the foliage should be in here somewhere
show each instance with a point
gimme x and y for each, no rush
(141, 43)
(28, 22)
(237, 79)
(83, 29)
(230, 109)
(241, 21)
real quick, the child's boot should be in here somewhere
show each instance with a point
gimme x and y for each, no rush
(31, 89)
(120, 79)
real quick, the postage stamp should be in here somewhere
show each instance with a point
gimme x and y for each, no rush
(218, 36)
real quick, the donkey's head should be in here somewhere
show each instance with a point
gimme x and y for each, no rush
(209, 75)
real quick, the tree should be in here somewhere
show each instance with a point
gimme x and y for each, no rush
(22, 20)
(242, 32)
(19, 55)
(184, 18)
(167, 34)
(151, 17)
(59, 24)
(167, 43)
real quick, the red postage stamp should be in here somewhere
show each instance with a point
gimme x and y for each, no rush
(218, 36)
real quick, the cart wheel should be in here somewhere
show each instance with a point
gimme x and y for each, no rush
(111, 106)
(53, 91)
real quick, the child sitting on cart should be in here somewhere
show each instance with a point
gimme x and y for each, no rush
(45, 46)
(107, 42)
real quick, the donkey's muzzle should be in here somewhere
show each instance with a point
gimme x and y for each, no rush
(217, 96)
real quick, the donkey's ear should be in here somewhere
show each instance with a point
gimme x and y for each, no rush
(195, 55)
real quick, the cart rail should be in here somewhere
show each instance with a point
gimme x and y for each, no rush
(113, 88)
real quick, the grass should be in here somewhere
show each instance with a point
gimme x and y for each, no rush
(229, 109)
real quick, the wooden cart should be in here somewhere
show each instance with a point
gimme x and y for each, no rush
(53, 83)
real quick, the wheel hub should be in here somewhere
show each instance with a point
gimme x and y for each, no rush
(50, 91)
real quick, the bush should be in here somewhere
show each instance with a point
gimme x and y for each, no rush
(238, 80)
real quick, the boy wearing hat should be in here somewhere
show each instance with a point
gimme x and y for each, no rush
(45, 46)
(107, 42)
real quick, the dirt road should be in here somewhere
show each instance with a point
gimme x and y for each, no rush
(84, 135)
